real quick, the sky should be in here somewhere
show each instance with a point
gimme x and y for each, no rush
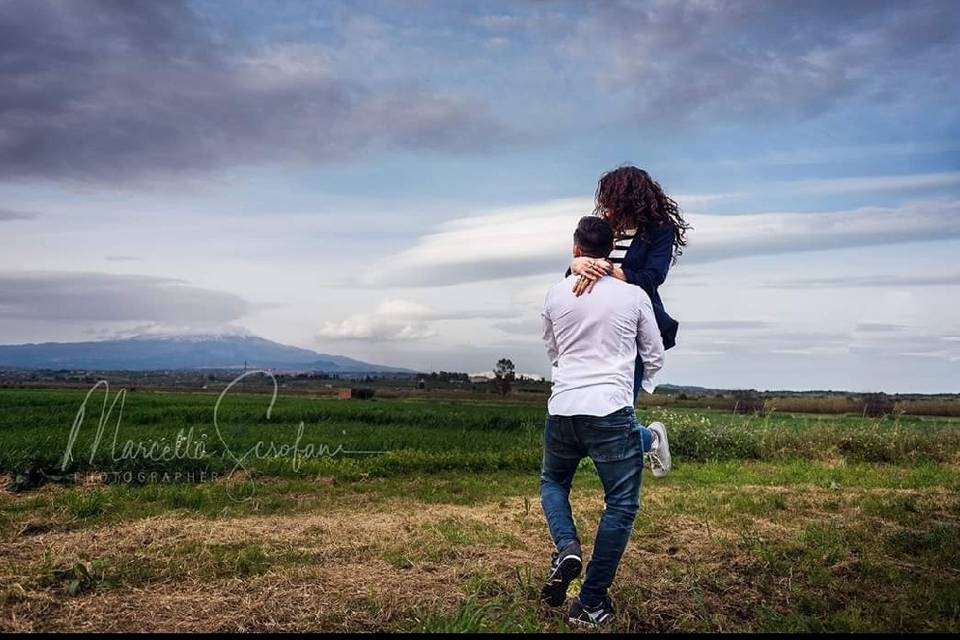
(399, 181)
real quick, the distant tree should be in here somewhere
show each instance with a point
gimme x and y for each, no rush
(504, 374)
(748, 401)
(877, 405)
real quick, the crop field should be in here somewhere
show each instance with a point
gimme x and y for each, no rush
(181, 514)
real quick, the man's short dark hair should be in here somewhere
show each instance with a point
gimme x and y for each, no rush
(594, 236)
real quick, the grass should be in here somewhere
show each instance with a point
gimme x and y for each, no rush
(170, 433)
(770, 523)
(819, 547)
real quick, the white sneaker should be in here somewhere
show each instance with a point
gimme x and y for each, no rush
(660, 454)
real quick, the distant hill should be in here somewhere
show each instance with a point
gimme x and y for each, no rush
(676, 388)
(147, 353)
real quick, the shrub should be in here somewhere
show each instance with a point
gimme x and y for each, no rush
(877, 405)
(748, 402)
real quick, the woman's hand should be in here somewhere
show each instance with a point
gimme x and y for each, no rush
(590, 270)
(593, 268)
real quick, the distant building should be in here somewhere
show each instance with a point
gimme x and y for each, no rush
(487, 376)
(530, 377)
(355, 393)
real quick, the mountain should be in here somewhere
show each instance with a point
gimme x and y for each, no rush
(179, 352)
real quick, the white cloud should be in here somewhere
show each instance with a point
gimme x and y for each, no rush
(403, 309)
(164, 329)
(536, 239)
(400, 320)
(873, 281)
(868, 183)
(720, 237)
(878, 327)
(507, 242)
(375, 328)
(408, 310)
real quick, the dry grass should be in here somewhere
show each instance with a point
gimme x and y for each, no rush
(402, 564)
(343, 573)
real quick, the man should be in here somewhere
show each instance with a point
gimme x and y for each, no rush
(592, 342)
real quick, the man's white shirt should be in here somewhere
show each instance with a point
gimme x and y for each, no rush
(593, 341)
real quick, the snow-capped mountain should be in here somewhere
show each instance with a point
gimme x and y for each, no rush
(180, 352)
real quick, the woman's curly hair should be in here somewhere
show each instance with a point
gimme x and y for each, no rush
(629, 198)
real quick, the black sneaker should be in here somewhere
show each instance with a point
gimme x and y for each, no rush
(587, 617)
(566, 566)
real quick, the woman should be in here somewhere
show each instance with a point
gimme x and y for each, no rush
(650, 236)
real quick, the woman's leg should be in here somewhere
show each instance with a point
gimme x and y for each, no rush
(646, 437)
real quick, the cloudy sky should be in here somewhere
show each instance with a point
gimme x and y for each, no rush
(399, 181)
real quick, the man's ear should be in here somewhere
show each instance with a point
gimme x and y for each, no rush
(577, 253)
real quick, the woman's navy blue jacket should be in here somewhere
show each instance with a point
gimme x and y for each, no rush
(645, 265)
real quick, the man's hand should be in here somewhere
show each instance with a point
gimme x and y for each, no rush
(590, 271)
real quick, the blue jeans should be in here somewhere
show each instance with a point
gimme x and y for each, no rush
(615, 443)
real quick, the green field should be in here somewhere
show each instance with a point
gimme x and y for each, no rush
(423, 514)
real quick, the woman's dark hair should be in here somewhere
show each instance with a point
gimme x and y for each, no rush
(628, 198)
